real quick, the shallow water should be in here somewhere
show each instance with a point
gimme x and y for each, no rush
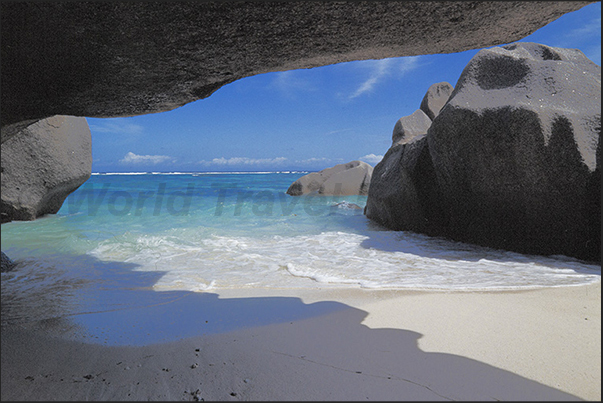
(212, 231)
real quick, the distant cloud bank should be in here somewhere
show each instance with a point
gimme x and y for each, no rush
(267, 163)
(314, 160)
(244, 161)
(131, 158)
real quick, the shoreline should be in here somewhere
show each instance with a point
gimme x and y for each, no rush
(321, 344)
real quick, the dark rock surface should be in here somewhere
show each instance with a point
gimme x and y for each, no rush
(404, 194)
(515, 154)
(516, 151)
(42, 165)
(109, 59)
(6, 264)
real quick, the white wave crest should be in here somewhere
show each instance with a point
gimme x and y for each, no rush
(386, 259)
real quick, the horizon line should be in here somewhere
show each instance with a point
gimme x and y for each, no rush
(198, 172)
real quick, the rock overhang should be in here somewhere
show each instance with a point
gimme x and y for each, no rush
(120, 59)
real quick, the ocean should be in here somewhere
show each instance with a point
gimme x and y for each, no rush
(217, 230)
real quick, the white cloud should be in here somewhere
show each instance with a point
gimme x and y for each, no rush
(371, 159)
(114, 125)
(313, 160)
(291, 81)
(131, 158)
(244, 161)
(349, 129)
(384, 68)
(589, 29)
(408, 64)
(379, 69)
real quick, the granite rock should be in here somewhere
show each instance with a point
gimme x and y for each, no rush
(42, 165)
(436, 97)
(516, 151)
(115, 59)
(352, 178)
(408, 127)
(512, 161)
(404, 194)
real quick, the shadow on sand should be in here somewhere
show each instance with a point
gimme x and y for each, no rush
(112, 305)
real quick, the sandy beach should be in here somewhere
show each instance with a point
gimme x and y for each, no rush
(323, 344)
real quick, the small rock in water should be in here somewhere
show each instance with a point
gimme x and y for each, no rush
(352, 178)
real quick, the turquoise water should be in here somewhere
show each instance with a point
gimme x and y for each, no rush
(212, 231)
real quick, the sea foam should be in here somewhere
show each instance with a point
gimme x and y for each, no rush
(385, 260)
(235, 230)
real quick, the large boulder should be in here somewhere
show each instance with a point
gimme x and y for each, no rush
(352, 178)
(109, 59)
(515, 151)
(408, 127)
(514, 157)
(403, 192)
(436, 97)
(42, 165)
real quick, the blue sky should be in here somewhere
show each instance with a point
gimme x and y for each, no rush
(306, 119)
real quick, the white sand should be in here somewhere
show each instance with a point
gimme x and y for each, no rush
(367, 345)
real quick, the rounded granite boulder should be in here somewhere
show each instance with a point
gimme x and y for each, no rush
(42, 165)
(436, 97)
(352, 178)
(408, 127)
(516, 151)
